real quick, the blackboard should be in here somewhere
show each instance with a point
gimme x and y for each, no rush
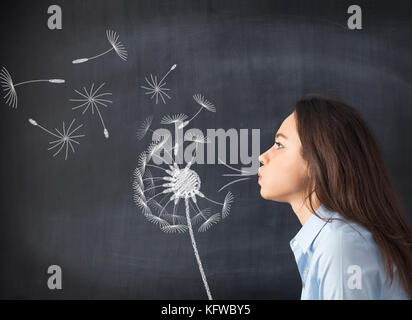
(252, 60)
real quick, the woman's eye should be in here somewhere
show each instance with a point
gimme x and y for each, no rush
(279, 145)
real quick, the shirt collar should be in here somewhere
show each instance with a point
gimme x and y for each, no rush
(309, 231)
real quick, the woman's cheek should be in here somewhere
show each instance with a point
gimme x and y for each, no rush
(271, 181)
(284, 177)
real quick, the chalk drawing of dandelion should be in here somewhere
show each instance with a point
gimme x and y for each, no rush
(93, 99)
(176, 120)
(65, 137)
(167, 119)
(158, 194)
(241, 173)
(115, 44)
(9, 88)
(144, 127)
(157, 89)
(204, 104)
(198, 138)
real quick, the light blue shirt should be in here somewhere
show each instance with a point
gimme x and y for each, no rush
(336, 262)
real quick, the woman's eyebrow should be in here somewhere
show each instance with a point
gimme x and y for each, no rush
(281, 135)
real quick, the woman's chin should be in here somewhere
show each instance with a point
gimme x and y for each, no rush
(270, 196)
(263, 194)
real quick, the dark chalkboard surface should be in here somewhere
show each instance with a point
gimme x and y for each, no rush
(251, 59)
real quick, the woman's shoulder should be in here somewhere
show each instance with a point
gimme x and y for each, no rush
(340, 236)
(346, 248)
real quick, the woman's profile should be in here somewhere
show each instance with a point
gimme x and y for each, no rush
(355, 241)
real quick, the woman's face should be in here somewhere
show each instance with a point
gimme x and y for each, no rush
(283, 174)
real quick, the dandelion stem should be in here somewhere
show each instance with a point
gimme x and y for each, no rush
(30, 81)
(195, 115)
(161, 81)
(153, 197)
(192, 237)
(161, 200)
(212, 200)
(232, 182)
(99, 55)
(160, 214)
(158, 186)
(200, 211)
(230, 167)
(152, 165)
(174, 212)
(101, 119)
(154, 154)
(48, 131)
(154, 178)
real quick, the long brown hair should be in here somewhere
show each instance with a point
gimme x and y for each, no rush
(348, 175)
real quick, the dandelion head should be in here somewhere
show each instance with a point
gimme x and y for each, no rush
(183, 183)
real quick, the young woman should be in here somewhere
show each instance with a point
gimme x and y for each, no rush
(355, 242)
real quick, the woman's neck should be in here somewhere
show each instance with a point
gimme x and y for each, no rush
(302, 208)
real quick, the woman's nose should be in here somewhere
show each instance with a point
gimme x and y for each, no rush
(263, 158)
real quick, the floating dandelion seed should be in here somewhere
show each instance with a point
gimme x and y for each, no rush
(142, 130)
(167, 119)
(144, 127)
(9, 88)
(116, 45)
(241, 173)
(204, 104)
(174, 119)
(227, 204)
(65, 137)
(199, 138)
(157, 89)
(174, 183)
(201, 215)
(93, 100)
